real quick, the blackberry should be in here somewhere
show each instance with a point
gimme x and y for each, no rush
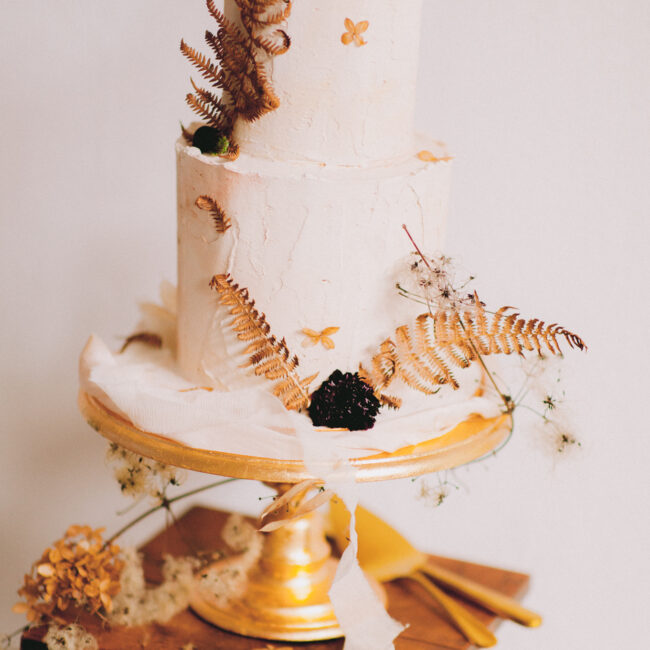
(343, 400)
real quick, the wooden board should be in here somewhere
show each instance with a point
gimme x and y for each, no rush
(427, 629)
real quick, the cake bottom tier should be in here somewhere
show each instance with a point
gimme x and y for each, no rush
(317, 247)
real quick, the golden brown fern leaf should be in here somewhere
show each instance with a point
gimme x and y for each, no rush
(506, 334)
(259, 17)
(219, 217)
(269, 357)
(239, 71)
(213, 115)
(209, 71)
(420, 354)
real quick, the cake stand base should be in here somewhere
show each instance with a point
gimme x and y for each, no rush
(285, 597)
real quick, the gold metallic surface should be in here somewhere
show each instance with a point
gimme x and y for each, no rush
(473, 630)
(490, 599)
(285, 597)
(468, 441)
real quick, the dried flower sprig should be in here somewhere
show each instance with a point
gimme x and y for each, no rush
(268, 356)
(431, 281)
(78, 570)
(138, 475)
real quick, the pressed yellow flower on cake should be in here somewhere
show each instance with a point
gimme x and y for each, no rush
(427, 156)
(354, 32)
(314, 337)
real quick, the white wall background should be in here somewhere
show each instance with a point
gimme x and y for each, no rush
(545, 105)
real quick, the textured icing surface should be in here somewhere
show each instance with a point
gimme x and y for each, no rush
(339, 103)
(316, 246)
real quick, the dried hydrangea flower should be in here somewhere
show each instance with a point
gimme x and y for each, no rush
(78, 570)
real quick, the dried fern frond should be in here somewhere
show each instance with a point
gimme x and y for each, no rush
(239, 71)
(209, 71)
(421, 354)
(219, 217)
(269, 357)
(211, 114)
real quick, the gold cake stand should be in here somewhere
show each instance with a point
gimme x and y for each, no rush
(286, 595)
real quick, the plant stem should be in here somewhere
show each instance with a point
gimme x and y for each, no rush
(6, 639)
(506, 401)
(165, 503)
(419, 252)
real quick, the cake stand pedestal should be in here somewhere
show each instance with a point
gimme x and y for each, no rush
(286, 593)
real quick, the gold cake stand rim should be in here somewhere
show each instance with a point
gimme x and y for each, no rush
(469, 440)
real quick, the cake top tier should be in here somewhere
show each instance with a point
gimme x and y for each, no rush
(346, 86)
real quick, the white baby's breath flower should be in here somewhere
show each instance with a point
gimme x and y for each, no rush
(138, 475)
(434, 495)
(432, 281)
(226, 579)
(137, 604)
(69, 637)
(555, 435)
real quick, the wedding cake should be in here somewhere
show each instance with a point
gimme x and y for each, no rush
(316, 198)
(294, 194)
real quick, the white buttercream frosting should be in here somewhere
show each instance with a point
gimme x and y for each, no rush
(345, 104)
(316, 246)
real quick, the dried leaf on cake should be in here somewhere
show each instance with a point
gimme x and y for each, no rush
(219, 217)
(268, 356)
(293, 504)
(147, 338)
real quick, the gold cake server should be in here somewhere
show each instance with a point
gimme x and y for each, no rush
(382, 554)
(376, 537)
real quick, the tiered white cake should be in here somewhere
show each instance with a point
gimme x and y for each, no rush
(315, 204)
(317, 197)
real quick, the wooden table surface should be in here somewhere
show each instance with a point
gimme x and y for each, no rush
(428, 629)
